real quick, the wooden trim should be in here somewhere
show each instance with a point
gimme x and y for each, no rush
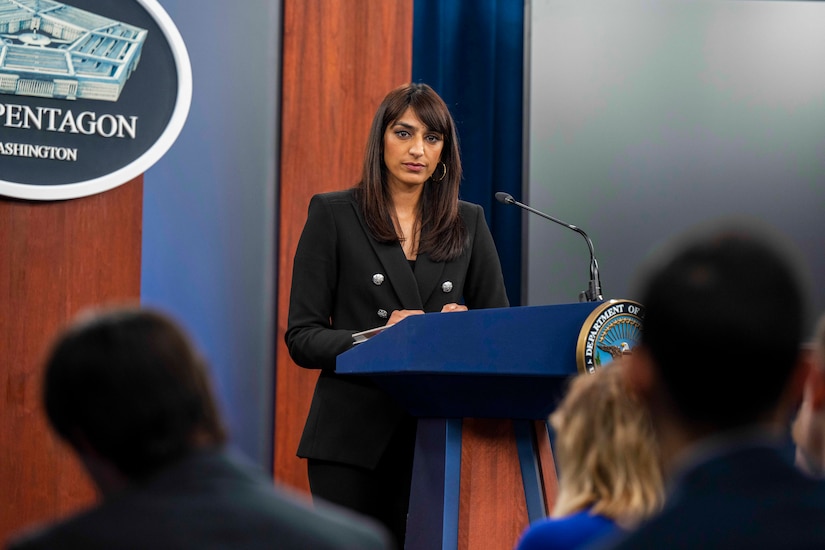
(492, 509)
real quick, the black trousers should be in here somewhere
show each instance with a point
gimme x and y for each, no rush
(382, 493)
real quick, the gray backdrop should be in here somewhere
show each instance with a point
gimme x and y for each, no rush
(646, 118)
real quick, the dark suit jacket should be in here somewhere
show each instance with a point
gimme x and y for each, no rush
(752, 498)
(208, 500)
(343, 282)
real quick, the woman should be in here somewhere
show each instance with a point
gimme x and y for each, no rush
(610, 476)
(398, 244)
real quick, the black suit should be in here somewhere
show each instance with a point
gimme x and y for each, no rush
(751, 498)
(208, 500)
(344, 281)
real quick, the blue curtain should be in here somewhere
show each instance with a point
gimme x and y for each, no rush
(471, 52)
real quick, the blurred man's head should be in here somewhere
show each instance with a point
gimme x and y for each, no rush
(725, 309)
(126, 385)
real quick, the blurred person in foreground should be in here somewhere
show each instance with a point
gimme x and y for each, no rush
(609, 472)
(128, 392)
(721, 370)
(809, 425)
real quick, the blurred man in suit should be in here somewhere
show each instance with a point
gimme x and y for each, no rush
(809, 426)
(128, 392)
(719, 365)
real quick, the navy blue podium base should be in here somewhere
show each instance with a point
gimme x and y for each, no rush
(499, 371)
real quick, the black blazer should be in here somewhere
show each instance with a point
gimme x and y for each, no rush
(343, 282)
(752, 498)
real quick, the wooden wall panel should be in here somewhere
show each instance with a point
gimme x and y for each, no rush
(55, 259)
(340, 58)
(492, 509)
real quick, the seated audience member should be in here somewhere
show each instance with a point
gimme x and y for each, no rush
(720, 367)
(609, 472)
(809, 426)
(130, 395)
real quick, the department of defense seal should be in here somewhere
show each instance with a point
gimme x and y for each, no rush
(613, 328)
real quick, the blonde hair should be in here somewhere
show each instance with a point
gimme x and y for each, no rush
(605, 450)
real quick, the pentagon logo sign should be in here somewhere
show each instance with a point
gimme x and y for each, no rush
(92, 94)
(612, 329)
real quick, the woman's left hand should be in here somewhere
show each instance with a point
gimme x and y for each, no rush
(453, 307)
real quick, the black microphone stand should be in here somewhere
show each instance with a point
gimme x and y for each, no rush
(594, 286)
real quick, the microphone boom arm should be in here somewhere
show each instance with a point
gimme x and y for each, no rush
(594, 287)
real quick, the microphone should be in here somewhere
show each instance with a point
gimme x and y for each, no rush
(594, 286)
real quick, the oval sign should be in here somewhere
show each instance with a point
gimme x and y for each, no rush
(611, 330)
(92, 94)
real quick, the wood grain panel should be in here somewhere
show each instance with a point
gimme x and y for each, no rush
(56, 258)
(340, 58)
(492, 509)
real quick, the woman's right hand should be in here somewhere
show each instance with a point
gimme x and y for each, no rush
(400, 314)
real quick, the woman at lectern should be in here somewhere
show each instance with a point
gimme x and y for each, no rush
(399, 243)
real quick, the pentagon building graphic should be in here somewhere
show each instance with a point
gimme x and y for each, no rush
(49, 49)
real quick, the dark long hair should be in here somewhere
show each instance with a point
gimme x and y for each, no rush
(443, 234)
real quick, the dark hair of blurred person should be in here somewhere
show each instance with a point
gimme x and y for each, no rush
(129, 385)
(735, 298)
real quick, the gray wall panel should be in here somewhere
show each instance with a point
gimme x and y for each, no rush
(646, 118)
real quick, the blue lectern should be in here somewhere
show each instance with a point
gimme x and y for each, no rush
(508, 363)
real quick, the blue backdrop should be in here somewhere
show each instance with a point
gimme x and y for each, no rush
(209, 209)
(472, 53)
